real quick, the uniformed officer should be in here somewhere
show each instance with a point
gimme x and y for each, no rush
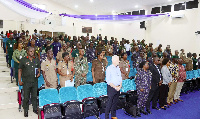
(24, 42)
(29, 71)
(75, 52)
(48, 68)
(9, 48)
(115, 48)
(139, 60)
(99, 68)
(176, 54)
(124, 66)
(68, 49)
(56, 46)
(188, 61)
(36, 49)
(65, 69)
(59, 55)
(135, 55)
(182, 54)
(81, 68)
(90, 53)
(18, 54)
(109, 49)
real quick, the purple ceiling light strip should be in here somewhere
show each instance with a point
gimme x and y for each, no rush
(112, 17)
(30, 6)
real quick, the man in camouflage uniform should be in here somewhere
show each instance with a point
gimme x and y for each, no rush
(189, 62)
(135, 55)
(81, 68)
(109, 49)
(90, 53)
(36, 49)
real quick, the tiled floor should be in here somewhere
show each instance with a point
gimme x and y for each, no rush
(8, 94)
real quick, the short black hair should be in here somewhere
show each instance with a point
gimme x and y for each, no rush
(47, 48)
(165, 61)
(142, 64)
(65, 54)
(123, 54)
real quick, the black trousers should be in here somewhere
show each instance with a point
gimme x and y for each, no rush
(163, 95)
(128, 53)
(153, 96)
(113, 97)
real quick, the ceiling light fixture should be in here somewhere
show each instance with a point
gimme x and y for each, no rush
(76, 6)
(136, 6)
(169, 0)
(91, 0)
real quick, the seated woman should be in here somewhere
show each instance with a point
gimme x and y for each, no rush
(143, 86)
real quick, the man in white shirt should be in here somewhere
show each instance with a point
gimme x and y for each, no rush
(114, 81)
(128, 47)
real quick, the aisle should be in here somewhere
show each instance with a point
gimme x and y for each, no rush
(8, 94)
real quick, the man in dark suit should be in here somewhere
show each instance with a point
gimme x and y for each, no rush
(155, 84)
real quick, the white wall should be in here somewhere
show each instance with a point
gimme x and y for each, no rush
(178, 32)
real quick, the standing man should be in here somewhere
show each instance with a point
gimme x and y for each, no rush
(48, 68)
(81, 68)
(56, 46)
(114, 84)
(36, 49)
(75, 52)
(155, 84)
(9, 48)
(128, 47)
(176, 54)
(90, 53)
(59, 55)
(124, 66)
(109, 49)
(98, 68)
(29, 71)
(65, 69)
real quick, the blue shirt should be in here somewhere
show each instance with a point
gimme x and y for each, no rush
(113, 75)
(56, 48)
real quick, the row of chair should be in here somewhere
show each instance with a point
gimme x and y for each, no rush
(86, 100)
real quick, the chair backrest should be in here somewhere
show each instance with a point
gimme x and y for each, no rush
(127, 85)
(196, 73)
(58, 78)
(134, 85)
(89, 76)
(100, 89)
(40, 81)
(84, 91)
(90, 67)
(48, 96)
(67, 94)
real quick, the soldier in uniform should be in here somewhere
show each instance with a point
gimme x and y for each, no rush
(99, 47)
(90, 53)
(188, 61)
(29, 71)
(99, 68)
(68, 49)
(24, 42)
(115, 48)
(81, 68)
(135, 55)
(27, 36)
(36, 49)
(56, 46)
(9, 48)
(75, 52)
(124, 66)
(182, 54)
(176, 54)
(139, 60)
(109, 49)
(18, 54)
(65, 69)
(48, 68)
(59, 55)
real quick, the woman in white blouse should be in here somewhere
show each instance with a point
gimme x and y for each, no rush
(164, 88)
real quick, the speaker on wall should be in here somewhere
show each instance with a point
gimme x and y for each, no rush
(155, 10)
(1, 23)
(180, 6)
(192, 4)
(142, 25)
(166, 8)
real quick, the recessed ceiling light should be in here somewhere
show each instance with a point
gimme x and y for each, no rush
(91, 0)
(136, 6)
(169, 0)
(96, 15)
(76, 6)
